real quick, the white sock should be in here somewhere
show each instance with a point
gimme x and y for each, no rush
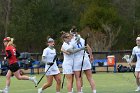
(57, 92)
(72, 89)
(81, 89)
(69, 92)
(7, 87)
(80, 92)
(30, 78)
(94, 91)
(40, 88)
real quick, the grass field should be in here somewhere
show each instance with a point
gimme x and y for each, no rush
(105, 83)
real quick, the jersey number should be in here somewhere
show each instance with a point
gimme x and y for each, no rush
(79, 45)
(14, 51)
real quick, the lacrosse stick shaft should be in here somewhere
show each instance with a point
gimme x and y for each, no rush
(82, 64)
(63, 81)
(42, 76)
(133, 71)
(55, 57)
(84, 55)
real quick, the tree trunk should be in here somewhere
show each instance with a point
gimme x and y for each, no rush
(7, 8)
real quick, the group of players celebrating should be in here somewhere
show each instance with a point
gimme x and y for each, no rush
(73, 49)
(76, 59)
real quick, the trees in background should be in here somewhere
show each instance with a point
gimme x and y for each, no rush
(103, 22)
(112, 24)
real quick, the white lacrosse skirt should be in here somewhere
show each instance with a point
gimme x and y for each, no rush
(52, 70)
(67, 66)
(78, 63)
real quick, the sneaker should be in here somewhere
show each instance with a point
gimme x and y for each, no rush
(4, 91)
(138, 89)
(94, 91)
(1, 90)
(34, 80)
(40, 90)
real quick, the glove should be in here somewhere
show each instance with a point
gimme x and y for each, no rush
(49, 63)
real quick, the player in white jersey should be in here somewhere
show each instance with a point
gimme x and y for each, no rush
(78, 57)
(136, 51)
(78, 43)
(47, 57)
(67, 65)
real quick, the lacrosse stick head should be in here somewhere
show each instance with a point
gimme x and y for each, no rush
(126, 57)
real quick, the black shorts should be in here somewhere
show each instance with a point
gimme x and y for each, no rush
(14, 67)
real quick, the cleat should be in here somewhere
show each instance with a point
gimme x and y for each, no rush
(4, 91)
(138, 89)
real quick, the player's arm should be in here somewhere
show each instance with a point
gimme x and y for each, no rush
(9, 54)
(90, 53)
(132, 56)
(43, 59)
(72, 50)
(64, 51)
(44, 56)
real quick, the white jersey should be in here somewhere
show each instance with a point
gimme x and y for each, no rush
(78, 57)
(136, 51)
(49, 55)
(68, 59)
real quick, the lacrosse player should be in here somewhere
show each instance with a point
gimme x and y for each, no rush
(86, 65)
(11, 55)
(136, 51)
(53, 72)
(67, 65)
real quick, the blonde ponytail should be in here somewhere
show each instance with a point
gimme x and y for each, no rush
(11, 42)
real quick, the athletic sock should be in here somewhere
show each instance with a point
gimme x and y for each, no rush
(81, 89)
(40, 90)
(31, 78)
(72, 89)
(7, 87)
(94, 91)
(57, 92)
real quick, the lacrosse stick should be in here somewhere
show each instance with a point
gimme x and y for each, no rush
(84, 55)
(127, 58)
(46, 70)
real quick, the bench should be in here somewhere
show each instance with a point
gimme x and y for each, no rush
(102, 63)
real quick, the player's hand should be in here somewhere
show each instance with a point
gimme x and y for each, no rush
(91, 58)
(50, 64)
(5, 58)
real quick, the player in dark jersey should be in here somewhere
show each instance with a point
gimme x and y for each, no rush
(13, 68)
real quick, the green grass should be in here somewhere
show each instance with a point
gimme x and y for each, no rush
(105, 83)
